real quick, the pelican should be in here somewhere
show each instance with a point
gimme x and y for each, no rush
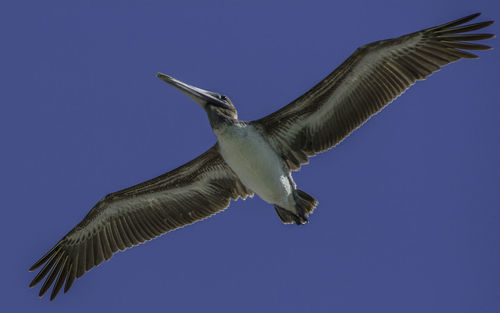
(257, 157)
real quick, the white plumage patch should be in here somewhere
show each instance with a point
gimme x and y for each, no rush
(257, 165)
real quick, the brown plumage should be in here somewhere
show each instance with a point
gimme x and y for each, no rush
(126, 218)
(372, 77)
(369, 79)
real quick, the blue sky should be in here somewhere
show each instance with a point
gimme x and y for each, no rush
(408, 216)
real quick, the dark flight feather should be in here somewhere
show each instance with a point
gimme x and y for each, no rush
(131, 216)
(372, 77)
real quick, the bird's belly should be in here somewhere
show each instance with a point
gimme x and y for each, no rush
(258, 167)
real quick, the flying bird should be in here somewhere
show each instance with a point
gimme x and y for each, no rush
(258, 156)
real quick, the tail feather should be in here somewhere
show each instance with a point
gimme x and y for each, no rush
(305, 201)
(304, 205)
(285, 216)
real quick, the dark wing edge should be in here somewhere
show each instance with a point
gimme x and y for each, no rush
(192, 192)
(372, 77)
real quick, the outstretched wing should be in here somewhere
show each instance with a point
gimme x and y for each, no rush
(131, 216)
(368, 80)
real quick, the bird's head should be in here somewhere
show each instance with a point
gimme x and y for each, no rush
(218, 107)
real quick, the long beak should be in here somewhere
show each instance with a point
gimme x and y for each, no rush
(201, 96)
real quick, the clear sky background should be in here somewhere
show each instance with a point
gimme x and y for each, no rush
(409, 205)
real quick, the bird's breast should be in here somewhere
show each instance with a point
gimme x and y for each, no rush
(257, 165)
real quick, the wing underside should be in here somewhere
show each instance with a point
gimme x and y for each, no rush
(129, 217)
(372, 77)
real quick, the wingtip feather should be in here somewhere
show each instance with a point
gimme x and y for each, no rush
(454, 23)
(32, 284)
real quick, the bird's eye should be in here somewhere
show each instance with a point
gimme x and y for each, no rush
(222, 97)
